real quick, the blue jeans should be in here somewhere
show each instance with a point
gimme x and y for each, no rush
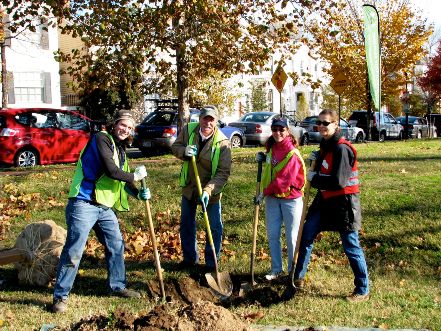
(351, 247)
(188, 232)
(81, 217)
(278, 212)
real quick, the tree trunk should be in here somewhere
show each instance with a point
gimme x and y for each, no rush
(4, 77)
(182, 84)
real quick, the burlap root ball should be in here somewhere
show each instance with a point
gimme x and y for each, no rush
(43, 243)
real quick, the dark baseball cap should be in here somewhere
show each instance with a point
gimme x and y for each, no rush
(208, 111)
(280, 121)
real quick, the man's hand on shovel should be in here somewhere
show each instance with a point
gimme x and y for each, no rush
(204, 198)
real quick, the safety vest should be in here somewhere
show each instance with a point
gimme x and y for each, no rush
(215, 152)
(108, 192)
(270, 172)
(352, 185)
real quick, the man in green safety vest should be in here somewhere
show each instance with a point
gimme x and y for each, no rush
(212, 151)
(101, 182)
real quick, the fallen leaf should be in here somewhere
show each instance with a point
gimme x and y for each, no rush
(254, 316)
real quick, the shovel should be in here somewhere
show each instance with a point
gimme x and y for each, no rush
(256, 221)
(155, 248)
(291, 289)
(221, 283)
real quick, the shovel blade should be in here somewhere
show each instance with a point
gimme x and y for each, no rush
(225, 286)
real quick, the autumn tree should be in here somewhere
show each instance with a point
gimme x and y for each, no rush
(335, 32)
(215, 90)
(259, 99)
(178, 41)
(430, 82)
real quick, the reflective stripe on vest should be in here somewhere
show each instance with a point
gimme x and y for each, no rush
(352, 184)
(108, 192)
(270, 172)
(215, 152)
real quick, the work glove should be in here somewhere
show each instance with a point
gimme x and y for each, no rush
(259, 199)
(144, 194)
(314, 155)
(311, 175)
(260, 157)
(191, 150)
(204, 198)
(140, 173)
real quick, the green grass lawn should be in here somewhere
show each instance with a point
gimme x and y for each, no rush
(401, 206)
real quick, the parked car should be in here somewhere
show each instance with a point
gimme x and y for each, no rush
(32, 136)
(435, 120)
(257, 127)
(158, 131)
(351, 133)
(418, 127)
(385, 128)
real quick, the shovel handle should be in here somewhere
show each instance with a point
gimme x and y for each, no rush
(207, 221)
(155, 247)
(256, 222)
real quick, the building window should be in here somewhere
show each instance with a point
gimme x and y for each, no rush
(28, 87)
(311, 100)
(32, 87)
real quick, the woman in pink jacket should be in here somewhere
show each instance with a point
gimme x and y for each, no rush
(282, 184)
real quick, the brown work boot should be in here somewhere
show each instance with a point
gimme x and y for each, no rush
(59, 305)
(357, 297)
(299, 284)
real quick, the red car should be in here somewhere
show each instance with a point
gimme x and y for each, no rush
(32, 136)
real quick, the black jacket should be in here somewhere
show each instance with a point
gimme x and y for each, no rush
(340, 213)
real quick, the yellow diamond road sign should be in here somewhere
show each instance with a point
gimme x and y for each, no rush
(279, 78)
(339, 83)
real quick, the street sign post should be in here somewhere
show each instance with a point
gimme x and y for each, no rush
(339, 84)
(279, 79)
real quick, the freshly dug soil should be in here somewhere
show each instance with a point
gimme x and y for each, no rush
(200, 316)
(191, 306)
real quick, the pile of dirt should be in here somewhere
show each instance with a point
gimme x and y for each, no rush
(185, 290)
(200, 316)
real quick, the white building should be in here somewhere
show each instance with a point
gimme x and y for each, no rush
(304, 66)
(33, 73)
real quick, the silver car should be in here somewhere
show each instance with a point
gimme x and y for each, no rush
(257, 127)
(351, 133)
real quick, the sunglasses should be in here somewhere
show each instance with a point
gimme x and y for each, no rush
(324, 123)
(275, 129)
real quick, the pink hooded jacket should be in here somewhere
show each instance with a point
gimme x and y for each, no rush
(291, 176)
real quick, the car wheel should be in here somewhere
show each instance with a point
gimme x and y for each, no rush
(305, 140)
(401, 135)
(26, 158)
(236, 141)
(359, 137)
(382, 136)
(419, 135)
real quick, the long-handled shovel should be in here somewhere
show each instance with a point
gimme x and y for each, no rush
(155, 247)
(256, 222)
(222, 283)
(291, 289)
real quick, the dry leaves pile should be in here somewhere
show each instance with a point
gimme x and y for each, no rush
(139, 245)
(14, 203)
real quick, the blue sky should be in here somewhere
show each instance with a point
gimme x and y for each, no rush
(431, 9)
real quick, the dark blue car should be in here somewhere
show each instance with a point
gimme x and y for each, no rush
(158, 131)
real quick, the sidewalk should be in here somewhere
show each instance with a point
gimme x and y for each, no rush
(321, 328)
